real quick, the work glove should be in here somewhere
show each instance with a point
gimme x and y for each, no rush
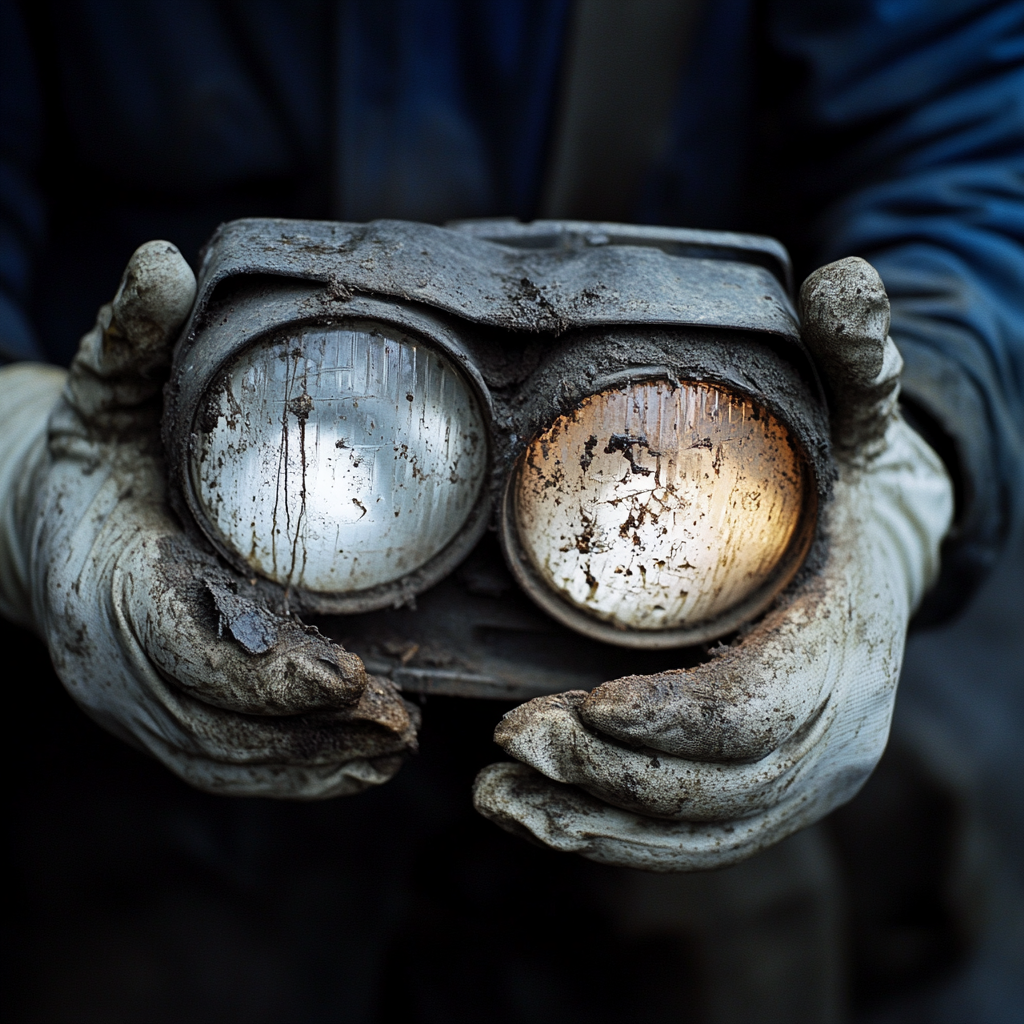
(700, 768)
(149, 633)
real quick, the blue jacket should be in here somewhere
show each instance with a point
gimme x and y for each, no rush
(891, 129)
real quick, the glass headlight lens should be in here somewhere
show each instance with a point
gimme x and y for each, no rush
(337, 459)
(658, 508)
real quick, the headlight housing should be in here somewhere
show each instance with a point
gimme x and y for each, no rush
(351, 405)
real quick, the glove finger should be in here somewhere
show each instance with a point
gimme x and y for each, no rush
(844, 316)
(547, 734)
(122, 361)
(198, 625)
(525, 803)
(381, 724)
(747, 700)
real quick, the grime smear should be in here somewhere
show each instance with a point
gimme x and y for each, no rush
(659, 506)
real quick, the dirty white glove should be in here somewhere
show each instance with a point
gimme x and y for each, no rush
(700, 768)
(148, 632)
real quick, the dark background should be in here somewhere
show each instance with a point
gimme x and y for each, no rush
(131, 897)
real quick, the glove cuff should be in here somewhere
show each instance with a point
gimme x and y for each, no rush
(28, 392)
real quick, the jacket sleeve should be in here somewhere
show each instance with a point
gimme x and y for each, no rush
(21, 207)
(909, 122)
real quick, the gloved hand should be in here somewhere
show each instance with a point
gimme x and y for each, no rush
(149, 633)
(701, 768)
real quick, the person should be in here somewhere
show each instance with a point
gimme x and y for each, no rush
(886, 130)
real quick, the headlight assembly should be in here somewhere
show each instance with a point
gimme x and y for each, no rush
(351, 406)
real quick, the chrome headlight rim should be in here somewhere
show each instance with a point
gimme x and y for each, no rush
(747, 610)
(216, 351)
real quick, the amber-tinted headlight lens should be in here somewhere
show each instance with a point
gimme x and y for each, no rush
(660, 510)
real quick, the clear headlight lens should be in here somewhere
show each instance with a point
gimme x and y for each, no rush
(337, 459)
(655, 507)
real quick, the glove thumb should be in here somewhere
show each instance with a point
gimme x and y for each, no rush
(844, 314)
(122, 361)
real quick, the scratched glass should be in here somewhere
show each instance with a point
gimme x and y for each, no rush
(339, 458)
(656, 507)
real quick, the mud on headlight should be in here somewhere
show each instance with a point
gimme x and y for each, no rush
(346, 461)
(659, 513)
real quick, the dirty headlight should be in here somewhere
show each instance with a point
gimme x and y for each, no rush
(657, 514)
(338, 459)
